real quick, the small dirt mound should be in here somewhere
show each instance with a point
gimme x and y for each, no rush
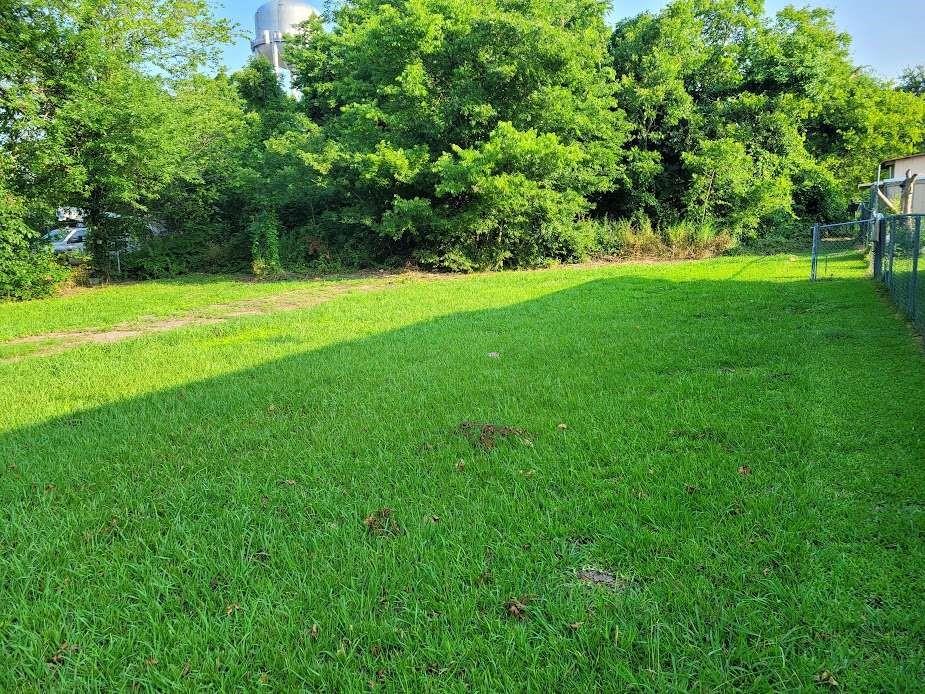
(485, 435)
(516, 608)
(382, 523)
(601, 578)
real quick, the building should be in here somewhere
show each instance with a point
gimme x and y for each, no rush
(893, 168)
(899, 188)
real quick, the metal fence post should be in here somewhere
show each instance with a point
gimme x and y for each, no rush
(878, 235)
(815, 256)
(891, 247)
(914, 283)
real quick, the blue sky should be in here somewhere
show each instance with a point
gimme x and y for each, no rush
(887, 35)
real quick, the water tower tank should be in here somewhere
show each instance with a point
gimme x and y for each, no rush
(273, 21)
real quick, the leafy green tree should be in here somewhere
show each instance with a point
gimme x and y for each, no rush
(466, 136)
(862, 124)
(912, 80)
(89, 109)
(746, 121)
(25, 270)
(204, 206)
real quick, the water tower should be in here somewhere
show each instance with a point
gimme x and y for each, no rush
(274, 21)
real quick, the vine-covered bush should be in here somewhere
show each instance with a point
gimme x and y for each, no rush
(264, 232)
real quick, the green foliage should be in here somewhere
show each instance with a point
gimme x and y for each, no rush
(205, 207)
(863, 123)
(258, 85)
(455, 136)
(912, 80)
(639, 238)
(465, 137)
(750, 122)
(26, 270)
(264, 232)
(95, 110)
(30, 274)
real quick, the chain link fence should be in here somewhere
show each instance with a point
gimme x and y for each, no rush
(901, 240)
(840, 247)
(892, 248)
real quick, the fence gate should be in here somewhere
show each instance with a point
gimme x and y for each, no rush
(893, 245)
(838, 248)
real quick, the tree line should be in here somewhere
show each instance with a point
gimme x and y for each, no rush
(450, 134)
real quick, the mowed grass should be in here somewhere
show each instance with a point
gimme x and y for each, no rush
(739, 449)
(106, 306)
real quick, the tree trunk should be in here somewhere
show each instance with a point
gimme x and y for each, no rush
(908, 196)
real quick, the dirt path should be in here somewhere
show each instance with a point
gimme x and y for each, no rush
(51, 343)
(46, 344)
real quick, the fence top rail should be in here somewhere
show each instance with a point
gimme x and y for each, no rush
(823, 227)
(898, 217)
(885, 218)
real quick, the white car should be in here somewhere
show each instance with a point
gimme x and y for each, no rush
(67, 239)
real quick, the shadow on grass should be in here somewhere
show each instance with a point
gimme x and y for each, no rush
(231, 509)
(705, 320)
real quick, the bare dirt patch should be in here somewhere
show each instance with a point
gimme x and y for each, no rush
(486, 436)
(46, 344)
(599, 577)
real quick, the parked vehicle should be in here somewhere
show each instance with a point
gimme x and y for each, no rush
(67, 239)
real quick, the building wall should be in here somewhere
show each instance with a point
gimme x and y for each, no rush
(894, 191)
(916, 163)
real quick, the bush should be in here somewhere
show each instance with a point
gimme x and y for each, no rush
(692, 240)
(463, 140)
(30, 275)
(265, 258)
(151, 262)
(27, 268)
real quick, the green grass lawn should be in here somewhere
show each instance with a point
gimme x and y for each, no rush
(106, 306)
(736, 452)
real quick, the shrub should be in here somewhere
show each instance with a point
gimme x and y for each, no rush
(27, 268)
(692, 240)
(638, 238)
(264, 232)
(151, 262)
(464, 140)
(30, 274)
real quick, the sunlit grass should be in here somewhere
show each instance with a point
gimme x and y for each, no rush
(739, 450)
(109, 305)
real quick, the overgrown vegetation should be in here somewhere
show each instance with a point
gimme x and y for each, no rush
(455, 136)
(759, 125)
(663, 477)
